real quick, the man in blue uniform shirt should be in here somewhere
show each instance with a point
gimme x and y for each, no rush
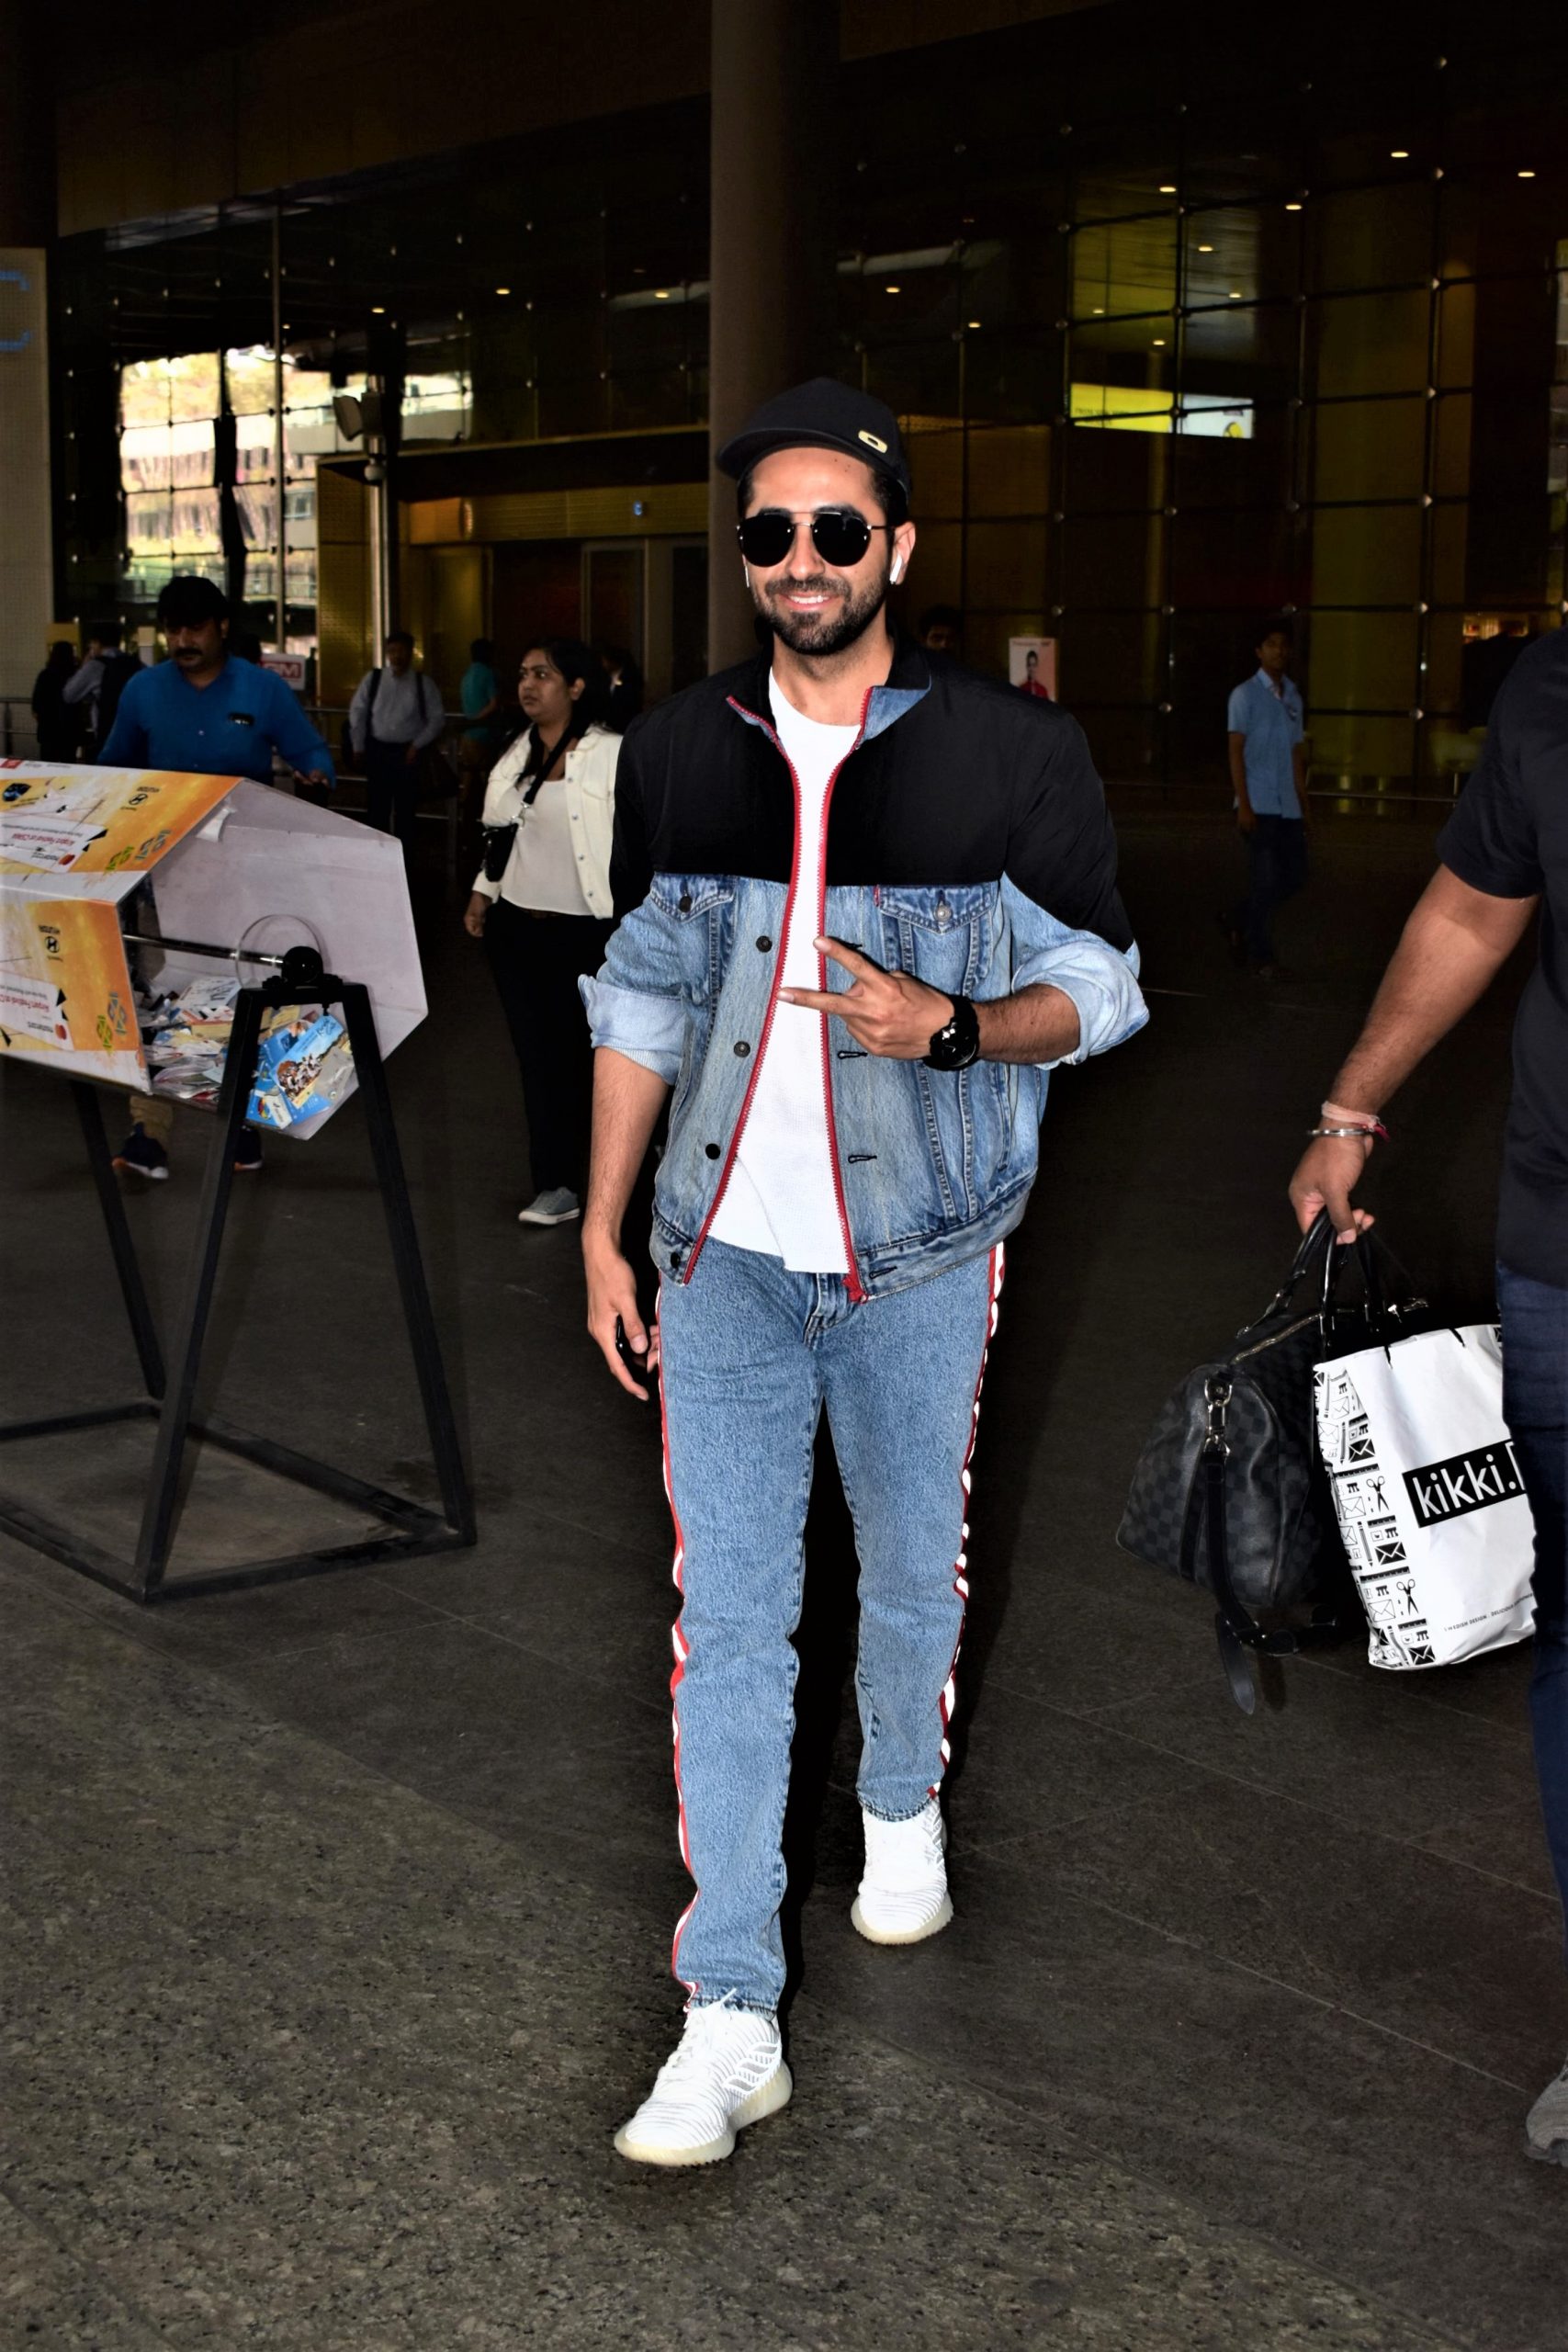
(203, 712)
(1267, 767)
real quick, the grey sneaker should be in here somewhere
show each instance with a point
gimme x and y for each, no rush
(555, 1207)
(1546, 2125)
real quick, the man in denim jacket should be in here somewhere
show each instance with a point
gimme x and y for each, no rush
(867, 902)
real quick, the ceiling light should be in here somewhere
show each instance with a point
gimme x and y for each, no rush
(1099, 310)
(377, 309)
(1167, 187)
(661, 294)
(893, 289)
(1526, 176)
(1159, 343)
(974, 323)
(1400, 154)
(1293, 207)
(503, 289)
(1205, 249)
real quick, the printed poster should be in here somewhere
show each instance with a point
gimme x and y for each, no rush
(64, 988)
(97, 821)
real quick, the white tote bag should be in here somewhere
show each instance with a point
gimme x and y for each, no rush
(1428, 1495)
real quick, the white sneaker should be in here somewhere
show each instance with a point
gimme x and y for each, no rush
(727, 2071)
(555, 1207)
(1546, 2126)
(903, 1897)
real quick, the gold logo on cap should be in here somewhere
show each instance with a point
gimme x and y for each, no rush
(872, 442)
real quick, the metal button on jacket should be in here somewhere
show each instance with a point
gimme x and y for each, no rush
(742, 1047)
(764, 942)
(711, 1150)
(685, 902)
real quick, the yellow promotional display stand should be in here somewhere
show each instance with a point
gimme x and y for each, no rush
(118, 886)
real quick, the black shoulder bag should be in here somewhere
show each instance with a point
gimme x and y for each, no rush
(1229, 1492)
(497, 839)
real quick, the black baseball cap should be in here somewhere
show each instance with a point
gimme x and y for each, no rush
(822, 415)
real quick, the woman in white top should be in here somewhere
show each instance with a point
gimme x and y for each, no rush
(541, 903)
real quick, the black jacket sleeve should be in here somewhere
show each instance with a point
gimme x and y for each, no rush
(631, 866)
(1061, 846)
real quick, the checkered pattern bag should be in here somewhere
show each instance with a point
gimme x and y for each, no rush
(1229, 1492)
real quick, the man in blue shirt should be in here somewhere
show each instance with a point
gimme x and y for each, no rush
(203, 712)
(1267, 765)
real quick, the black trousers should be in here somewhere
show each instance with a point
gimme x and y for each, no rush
(537, 960)
(1276, 869)
(392, 789)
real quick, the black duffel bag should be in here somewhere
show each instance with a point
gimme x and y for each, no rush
(1229, 1491)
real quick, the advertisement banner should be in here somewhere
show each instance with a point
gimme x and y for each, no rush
(97, 821)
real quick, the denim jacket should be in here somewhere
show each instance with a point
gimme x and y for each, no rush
(933, 1167)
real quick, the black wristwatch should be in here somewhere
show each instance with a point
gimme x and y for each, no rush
(957, 1043)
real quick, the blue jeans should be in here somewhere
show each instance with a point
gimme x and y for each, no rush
(1276, 869)
(751, 1355)
(1534, 1405)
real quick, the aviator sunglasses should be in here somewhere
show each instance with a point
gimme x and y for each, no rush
(840, 535)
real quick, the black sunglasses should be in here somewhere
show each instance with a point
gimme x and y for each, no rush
(840, 535)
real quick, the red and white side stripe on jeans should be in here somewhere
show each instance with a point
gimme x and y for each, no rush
(960, 1567)
(678, 1642)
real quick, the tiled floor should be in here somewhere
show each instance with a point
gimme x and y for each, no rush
(338, 1912)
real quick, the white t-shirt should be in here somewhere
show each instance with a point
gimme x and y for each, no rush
(781, 1199)
(543, 870)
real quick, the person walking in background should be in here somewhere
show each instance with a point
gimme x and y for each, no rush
(57, 723)
(1503, 857)
(941, 630)
(541, 903)
(1267, 767)
(480, 740)
(626, 688)
(395, 716)
(208, 712)
(96, 686)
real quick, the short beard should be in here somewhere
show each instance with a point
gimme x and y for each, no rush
(833, 630)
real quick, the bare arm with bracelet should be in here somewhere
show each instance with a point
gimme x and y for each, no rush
(1456, 942)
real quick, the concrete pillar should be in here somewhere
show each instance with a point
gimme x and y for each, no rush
(774, 172)
(28, 197)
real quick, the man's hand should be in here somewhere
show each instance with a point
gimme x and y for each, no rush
(411, 755)
(611, 1300)
(318, 777)
(1246, 818)
(887, 1012)
(474, 914)
(1329, 1171)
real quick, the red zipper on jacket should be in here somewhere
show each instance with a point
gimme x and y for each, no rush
(856, 1287)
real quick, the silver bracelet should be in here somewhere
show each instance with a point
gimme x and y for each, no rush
(1366, 1134)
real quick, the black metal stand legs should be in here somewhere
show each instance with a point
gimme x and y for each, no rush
(409, 1528)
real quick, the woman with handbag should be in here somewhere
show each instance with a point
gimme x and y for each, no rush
(541, 903)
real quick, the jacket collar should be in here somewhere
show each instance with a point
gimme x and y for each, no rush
(906, 684)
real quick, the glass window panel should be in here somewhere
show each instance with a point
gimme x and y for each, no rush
(1360, 747)
(193, 387)
(1241, 558)
(1104, 472)
(1369, 343)
(1455, 417)
(1252, 469)
(1125, 266)
(1006, 562)
(1112, 560)
(1010, 470)
(1363, 661)
(1369, 448)
(194, 528)
(936, 467)
(1239, 249)
(1378, 236)
(1251, 348)
(1456, 335)
(1366, 555)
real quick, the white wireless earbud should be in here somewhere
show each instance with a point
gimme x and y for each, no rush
(746, 573)
(897, 567)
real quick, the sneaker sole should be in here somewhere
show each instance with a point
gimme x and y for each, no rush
(932, 1927)
(1554, 2153)
(567, 1216)
(148, 1175)
(775, 2093)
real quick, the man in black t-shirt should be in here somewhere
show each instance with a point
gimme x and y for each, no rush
(1504, 855)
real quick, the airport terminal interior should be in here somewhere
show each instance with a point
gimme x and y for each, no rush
(337, 1934)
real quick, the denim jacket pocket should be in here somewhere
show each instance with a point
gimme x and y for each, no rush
(940, 935)
(700, 911)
